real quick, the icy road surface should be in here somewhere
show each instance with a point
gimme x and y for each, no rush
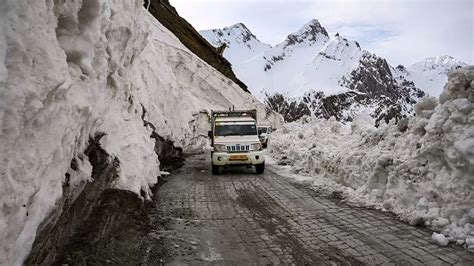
(239, 217)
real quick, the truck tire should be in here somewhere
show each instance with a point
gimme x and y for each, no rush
(260, 168)
(266, 144)
(215, 169)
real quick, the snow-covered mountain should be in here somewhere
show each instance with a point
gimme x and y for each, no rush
(281, 68)
(311, 72)
(432, 73)
(245, 44)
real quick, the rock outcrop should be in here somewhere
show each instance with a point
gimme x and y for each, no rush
(372, 87)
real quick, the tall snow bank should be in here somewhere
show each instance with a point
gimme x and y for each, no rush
(71, 70)
(422, 170)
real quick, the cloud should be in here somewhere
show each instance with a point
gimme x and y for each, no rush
(403, 31)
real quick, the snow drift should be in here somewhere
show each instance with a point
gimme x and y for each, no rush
(72, 71)
(421, 169)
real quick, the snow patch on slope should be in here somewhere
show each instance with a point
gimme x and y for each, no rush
(421, 169)
(241, 43)
(334, 62)
(431, 74)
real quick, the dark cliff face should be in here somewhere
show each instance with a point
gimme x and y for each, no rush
(371, 84)
(169, 17)
(374, 78)
(316, 104)
(291, 110)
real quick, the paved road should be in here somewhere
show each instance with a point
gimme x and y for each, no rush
(243, 218)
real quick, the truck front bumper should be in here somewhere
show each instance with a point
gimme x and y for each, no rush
(239, 158)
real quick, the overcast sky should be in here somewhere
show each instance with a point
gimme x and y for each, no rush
(402, 31)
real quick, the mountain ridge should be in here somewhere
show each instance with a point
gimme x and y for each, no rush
(310, 62)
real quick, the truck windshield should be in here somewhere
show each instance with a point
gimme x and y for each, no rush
(235, 130)
(262, 130)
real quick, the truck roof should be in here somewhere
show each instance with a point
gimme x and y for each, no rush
(234, 119)
(234, 113)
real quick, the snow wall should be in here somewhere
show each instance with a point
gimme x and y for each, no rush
(92, 72)
(421, 169)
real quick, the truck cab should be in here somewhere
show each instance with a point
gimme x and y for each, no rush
(235, 141)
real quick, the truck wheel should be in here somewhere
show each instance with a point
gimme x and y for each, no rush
(260, 168)
(266, 144)
(215, 169)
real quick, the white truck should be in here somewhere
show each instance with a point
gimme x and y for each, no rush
(263, 134)
(234, 137)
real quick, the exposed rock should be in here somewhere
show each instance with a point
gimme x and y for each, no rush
(170, 156)
(290, 110)
(371, 85)
(72, 215)
(221, 49)
(309, 32)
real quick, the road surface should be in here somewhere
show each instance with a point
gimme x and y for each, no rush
(239, 217)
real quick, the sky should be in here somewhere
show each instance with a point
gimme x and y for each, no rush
(402, 31)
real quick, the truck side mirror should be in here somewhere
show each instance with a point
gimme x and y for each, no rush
(209, 134)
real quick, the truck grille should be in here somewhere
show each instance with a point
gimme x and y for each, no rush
(238, 148)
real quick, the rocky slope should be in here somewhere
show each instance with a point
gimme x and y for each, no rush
(371, 88)
(167, 15)
(312, 73)
(95, 96)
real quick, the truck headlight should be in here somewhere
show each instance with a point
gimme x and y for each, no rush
(219, 147)
(256, 147)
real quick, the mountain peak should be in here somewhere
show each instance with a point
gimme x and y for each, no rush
(312, 28)
(309, 31)
(236, 32)
(240, 42)
(443, 63)
(241, 26)
(313, 22)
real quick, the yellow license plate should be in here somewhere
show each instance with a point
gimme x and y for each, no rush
(238, 158)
